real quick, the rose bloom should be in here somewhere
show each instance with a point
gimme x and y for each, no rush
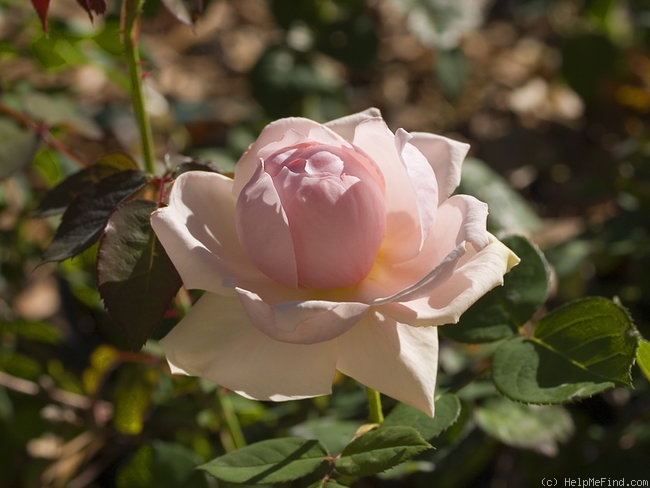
(336, 246)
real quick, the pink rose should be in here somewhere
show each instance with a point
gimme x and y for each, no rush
(336, 246)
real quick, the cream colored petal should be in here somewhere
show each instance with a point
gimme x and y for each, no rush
(216, 341)
(197, 229)
(478, 274)
(345, 126)
(446, 158)
(396, 359)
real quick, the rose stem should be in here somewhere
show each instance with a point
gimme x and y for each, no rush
(230, 418)
(376, 415)
(130, 18)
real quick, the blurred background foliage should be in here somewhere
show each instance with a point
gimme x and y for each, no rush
(554, 97)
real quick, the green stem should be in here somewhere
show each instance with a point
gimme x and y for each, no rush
(131, 15)
(230, 418)
(375, 415)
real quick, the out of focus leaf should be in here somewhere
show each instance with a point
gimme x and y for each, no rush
(536, 427)
(509, 211)
(133, 389)
(380, 449)
(578, 350)
(162, 465)
(136, 277)
(587, 59)
(59, 197)
(643, 358)
(41, 7)
(102, 361)
(447, 412)
(270, 461)
(93, 7)
(17, 147)
(32, 330)
(61, 111)
(85, 218)
(451, 70)
(501, 312)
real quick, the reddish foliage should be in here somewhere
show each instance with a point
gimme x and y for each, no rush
(90, 6)
(41, 7)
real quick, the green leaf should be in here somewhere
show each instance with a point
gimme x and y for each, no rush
(133, 391)
(17, 147)
(162, 465)
(59, 197)
(535, 427)
(270, 461)
(60, 110)
(509, 211)
(451, 69)
(593, 333)
(85, 218)
(380, 449)
(643, 357)
(447, 412)
(528, 372)
(501, 312)
(137, 280)
(333, 433)
(576, 351)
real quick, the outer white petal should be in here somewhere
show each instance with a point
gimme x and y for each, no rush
(396, 359)
(301, 322)
(446, 158)
(216, 341)
(197, 229)
(450, 299)
(345, 126)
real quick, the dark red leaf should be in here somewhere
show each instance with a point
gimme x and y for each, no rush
(93, 6)
(137, 280)
(41, 7)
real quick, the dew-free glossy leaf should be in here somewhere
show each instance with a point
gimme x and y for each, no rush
(137, 280)
(270, 461)
(447, 408)
(85, 218)
(501, 312)
(535, 427)
(380, 449)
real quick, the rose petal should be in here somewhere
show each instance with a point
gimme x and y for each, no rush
(403, 232)
(216, 341)
(345, 126)
(423, 181)
(446, 158)
(396, 359)
(263, 229)
(469, 282)
(197, 230)
(301, 322)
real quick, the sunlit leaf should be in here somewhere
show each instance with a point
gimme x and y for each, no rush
(59, 197)
(447, 411)
(643, 357)
(270, 461)
(85, 218)
(102, 360)
(501, 312)
(17, 147)
(133, 389)
(535, 427)
(380, 449)
(578, 350)
(136, 277)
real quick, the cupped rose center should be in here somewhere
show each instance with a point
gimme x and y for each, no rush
(333, 199)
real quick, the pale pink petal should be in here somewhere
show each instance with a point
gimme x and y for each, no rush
(263, 229)
(403, 233)
(396, 359)
(277, 135)
(301, 322)
(423, 181)
(216, 341)
(345, 126)
(481, 271)
(446, 158)
(197, 229)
